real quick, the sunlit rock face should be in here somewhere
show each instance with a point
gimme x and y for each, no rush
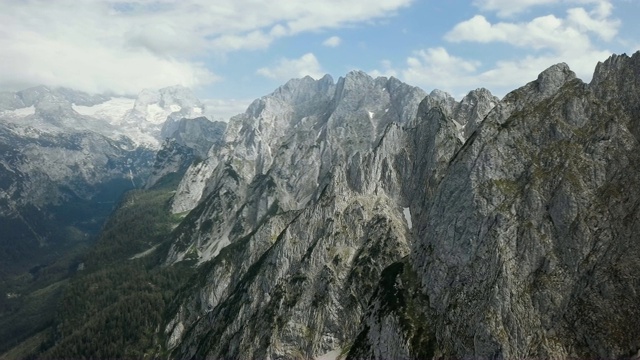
(293, 218)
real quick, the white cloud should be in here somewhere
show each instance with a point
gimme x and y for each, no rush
(510, 7)
(436, 68)
(286, 69)
(251, 41)
(333, 41)
(548, 31)
(91, 67)
(546, 40)
(509, 74)
(387, 70)
(124, 46)
(224, 109)
(595, 21)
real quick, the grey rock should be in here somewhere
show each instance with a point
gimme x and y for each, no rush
(199, 134)
(190, 142)
(524, 222)
(293, 218)
(526, 248)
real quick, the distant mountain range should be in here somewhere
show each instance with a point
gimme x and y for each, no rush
(68, 156)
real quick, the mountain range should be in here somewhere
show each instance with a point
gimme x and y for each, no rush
(357, 218)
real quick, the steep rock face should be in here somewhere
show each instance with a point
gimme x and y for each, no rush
(527, 248)
(252, 138)
(299, 211)
(172, 160)
(312, 124)
(199, 134)
(398, 321)
(190, 142)
(301, 283)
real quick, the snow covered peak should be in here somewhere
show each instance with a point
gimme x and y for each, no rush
(172, 98)
(145, 120)
(174, 102)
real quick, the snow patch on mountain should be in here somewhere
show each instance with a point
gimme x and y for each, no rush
(460, 131)
(111, 111)
(19, 113)
(25, 111)
(407, 216)
(331, 355)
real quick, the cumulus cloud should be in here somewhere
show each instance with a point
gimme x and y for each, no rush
(91, 67)
(333, 41)
(224, 109)
(436, 68)
(509, 8)
(547, 40)
(430, 69)
(286, 69)
(541, 32)
(122, 46)
(386, 70)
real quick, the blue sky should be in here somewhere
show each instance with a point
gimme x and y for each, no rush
(232, 51)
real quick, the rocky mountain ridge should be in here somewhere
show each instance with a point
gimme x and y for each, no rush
(368, 219)
(310, 190)
(523, 250)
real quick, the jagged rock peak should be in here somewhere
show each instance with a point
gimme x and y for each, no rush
(32, 95)
(548, 84)
(52, 103)
(480, 92)
(82, 98)
(552, 79)
(481, 97)
(353, 80)
(199, 134)
(304, 89)
(615, 64)
(358, 74)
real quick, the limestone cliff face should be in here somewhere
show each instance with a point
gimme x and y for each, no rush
(528, 245)
(296, 215)
(368, 219)
(189, 143)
